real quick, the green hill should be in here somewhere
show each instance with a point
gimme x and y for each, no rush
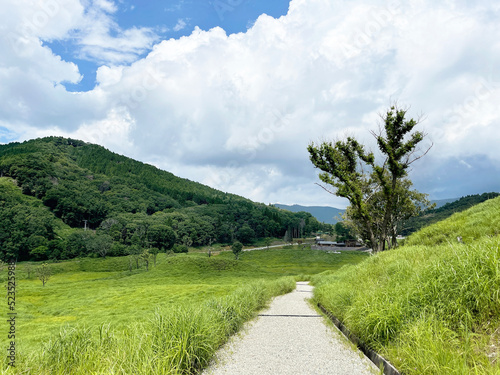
(130, 203)
(433, 305)
(441, 212)
(479, 222)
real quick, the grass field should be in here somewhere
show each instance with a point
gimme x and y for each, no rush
(92, 313)
(433, 305)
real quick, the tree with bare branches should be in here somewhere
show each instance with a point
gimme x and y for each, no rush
(376, 197)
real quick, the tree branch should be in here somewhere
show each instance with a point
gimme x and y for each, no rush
(420, 156)
(324, 188)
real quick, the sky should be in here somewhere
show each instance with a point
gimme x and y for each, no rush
(230, 93)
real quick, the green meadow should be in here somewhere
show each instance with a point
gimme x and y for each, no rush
(95, 316)
(431, 306)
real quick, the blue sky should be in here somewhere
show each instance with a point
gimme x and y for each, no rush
(230, 93)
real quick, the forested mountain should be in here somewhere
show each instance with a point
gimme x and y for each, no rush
(432, 216)
(129, 204)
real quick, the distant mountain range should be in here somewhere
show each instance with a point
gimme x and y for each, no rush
(442, 202)
(328, 215)
(332, 215)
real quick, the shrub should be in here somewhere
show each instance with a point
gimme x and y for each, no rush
(177, 248)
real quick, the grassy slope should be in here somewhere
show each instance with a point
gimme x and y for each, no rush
(433, 216)
(482, 220)
(432, 306)
(96, 292)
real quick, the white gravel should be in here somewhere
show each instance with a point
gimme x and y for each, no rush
(290, 338)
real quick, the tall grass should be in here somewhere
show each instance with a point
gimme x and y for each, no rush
(177, 340)
(429, 309)
(482, 220)
(85, 295)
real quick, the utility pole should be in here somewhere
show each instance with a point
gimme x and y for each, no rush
(85, 221)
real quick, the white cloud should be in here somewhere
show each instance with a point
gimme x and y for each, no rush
(22, 25)
(111, 132)
(91, 27)
(181, 24)
(101, 39)
(238, 111)
(105, 5)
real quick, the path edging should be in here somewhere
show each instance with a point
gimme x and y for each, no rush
(376, 358)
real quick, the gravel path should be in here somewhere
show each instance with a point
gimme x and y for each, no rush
(290, 338)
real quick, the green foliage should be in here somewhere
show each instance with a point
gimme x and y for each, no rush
(135, 251)
(162, 236)
(246, 234)
(430, 306)
(343, 232)
(471, 225)
(24, 223)
(133, 203)
(408, 203)
(99, 244)
(76, 244)
(146, 257)
(268, 241)
(381, 200)
(435, 215)
(237, 248)
(43, 272)
(178, 249)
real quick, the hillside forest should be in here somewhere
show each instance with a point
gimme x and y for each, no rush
(63, 198)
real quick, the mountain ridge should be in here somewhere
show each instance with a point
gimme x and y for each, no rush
(332, 215)
(324, 214)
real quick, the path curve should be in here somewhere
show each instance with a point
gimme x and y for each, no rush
(290, 338)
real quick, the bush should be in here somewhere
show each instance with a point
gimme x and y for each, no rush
(118, 250)
(177, 248)
(246, 234)
(237, 248)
